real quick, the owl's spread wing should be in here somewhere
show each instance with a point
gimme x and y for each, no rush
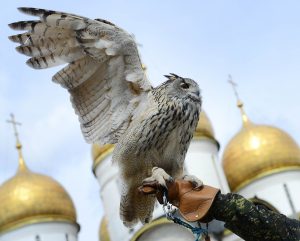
(104, 74)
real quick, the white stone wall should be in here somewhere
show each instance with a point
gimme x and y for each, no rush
(47, 231)
(107, 176)
(202, 161)
(271, 189)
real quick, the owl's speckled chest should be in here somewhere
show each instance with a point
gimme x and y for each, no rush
(168, 133)
(160, 137)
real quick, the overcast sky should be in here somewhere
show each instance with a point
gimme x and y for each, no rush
(258, 42)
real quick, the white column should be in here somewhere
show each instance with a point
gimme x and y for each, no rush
(202, 161)
(107, 176)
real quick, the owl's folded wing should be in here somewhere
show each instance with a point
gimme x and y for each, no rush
(104, 74)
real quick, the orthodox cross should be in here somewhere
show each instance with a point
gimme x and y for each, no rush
(15, 124)
(22, 165)
(234, 86)
(239, 102)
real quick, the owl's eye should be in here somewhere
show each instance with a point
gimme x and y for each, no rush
(184, 85)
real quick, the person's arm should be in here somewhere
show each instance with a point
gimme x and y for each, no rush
(252, 222)
(242, 217)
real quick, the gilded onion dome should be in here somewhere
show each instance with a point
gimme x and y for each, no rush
(204, 127)
(257, 151)
(103, 231)
(29, 197)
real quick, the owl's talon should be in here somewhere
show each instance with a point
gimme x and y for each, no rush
(171, 179)
(196, 182)
(159, 176)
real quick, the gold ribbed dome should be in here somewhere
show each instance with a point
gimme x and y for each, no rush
(29, 197)
(103, 231)
(256, 151)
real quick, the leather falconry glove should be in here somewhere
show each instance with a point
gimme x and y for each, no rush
(193, 203)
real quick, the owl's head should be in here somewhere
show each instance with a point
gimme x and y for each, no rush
(183, 88)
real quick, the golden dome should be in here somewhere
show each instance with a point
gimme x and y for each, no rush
(204, 129)
(29, 198)
(257, 151)
(100, 152)
(103, 231)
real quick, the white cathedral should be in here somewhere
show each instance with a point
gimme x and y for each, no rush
(260, 162)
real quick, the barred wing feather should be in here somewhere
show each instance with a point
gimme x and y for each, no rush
(104, 74)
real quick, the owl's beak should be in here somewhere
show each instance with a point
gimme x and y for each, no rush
(195, 96)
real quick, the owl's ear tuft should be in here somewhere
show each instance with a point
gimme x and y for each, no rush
(175, 75)
(172, 76)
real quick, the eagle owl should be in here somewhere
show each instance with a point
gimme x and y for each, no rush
(114, 101)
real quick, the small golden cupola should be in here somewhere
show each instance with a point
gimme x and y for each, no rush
(29, 198)
(257, 151)
(103, 230)
(205, 129)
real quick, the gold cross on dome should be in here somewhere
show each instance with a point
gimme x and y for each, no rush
(234, 87)
(22, 165)
(240, 104)
(14, 124)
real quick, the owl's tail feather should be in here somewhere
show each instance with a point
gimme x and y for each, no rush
(135, 207)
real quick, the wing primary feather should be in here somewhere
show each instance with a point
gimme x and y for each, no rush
(104, 74)
(35, 11)
(24, 25)
(60, 56)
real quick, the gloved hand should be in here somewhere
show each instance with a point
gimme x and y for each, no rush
(193, 203)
